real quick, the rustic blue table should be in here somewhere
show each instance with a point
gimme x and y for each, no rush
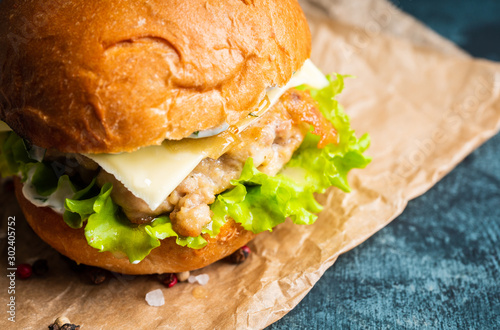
(438, 264)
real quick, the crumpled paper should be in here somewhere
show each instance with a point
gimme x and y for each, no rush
(426, 106)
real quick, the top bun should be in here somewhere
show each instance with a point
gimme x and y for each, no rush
(111, 76)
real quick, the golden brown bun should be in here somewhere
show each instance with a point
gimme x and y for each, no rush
(167, 258)
(91, 76)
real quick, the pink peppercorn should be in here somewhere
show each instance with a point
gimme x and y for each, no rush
(168, 279)
(24, 271)
(246, 249)
(173, 281)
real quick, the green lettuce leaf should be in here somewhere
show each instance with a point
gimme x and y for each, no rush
(108, 229)
(5, 170)
(44, 179)
(260, 202)
(80, 206)
(14, 157)
(161, 228)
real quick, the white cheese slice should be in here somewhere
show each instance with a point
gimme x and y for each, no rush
(152, 173)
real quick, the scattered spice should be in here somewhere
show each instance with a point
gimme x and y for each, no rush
(40, 267)
(168, 279)
(183, 277)
(246, 249)
(201, 279)
(155, 298)
(62, 323)
(240, 255)
(173, 282)
(96, 275)
(24, 271)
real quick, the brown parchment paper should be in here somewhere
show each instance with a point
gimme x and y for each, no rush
(426, 105)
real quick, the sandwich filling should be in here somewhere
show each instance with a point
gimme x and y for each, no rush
(270, 142)
(301, 145)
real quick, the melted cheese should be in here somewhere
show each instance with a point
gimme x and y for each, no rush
(152, 173)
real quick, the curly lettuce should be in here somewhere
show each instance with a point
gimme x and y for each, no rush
(257, 201)
(260, 202)
(108, 229)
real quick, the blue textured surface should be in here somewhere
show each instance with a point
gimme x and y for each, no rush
(438, 264)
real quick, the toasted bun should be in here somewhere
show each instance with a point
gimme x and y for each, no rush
(167, 258)
(93, 76)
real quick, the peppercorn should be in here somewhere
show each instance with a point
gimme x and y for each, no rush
(246, 249)
(40, 267)
(168, 279)
(62, 323)
(96, 275)
(173, 282)
(24, 271)
(240, 255)
(183, 277)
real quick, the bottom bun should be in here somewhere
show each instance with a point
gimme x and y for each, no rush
(167, 258)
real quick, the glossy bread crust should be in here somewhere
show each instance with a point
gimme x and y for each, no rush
(91, 77)
(167, 258)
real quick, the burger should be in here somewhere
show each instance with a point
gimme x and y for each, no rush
(161, 136)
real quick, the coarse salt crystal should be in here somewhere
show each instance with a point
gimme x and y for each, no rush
(201, 279)
(155, 298)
